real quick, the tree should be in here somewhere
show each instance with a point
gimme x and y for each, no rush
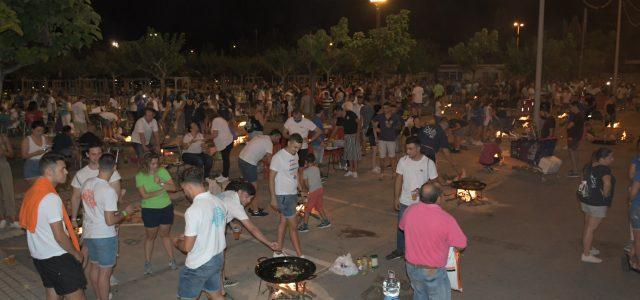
(157, 54)
(311, 48)
(280, 61)
(382, 49)
(519, 62)
(481, 48)
(49, 28)
(424, 57)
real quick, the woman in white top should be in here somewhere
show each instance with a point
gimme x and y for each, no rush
(192, 153)
(32, 149)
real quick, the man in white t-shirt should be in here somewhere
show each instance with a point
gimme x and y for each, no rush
(80, 116)
(100, 203)
(145, 129)
(283, 188)
(203, 241)
(413, 170)
(90, 171)
(52, 242)
(303, 127)
(223, 140)
(257, 149)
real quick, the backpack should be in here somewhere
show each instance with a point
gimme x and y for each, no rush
(584, 190)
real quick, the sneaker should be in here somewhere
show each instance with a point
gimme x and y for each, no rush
(376, 170)
(259, 213)
(573, 174)
(303, 227)
(113, 281)
(324, 224)
(590, 259)
(172, 264)
(594, 251)
(354, 174)
(230, 282)
(347, 174)
(395, 254)
(147, 268)
(3, 224)
(279, 254)
(14, 225)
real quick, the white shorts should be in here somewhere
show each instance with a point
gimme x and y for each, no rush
(387, 148)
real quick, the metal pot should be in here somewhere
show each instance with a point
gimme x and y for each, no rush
(267, 267)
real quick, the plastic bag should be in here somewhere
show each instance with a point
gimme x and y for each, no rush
(453, 269)
(344, 265)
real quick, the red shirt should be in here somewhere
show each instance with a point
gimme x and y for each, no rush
(429, 232)
(487, 155)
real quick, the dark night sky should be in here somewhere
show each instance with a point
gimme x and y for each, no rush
(219, 23)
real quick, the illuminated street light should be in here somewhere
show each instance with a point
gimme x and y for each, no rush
(192, 51)
(330, 44)
(518, 25)
(233, 46)
(377, 4)
(115, 44)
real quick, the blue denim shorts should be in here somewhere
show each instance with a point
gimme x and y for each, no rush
(249, 172)
(634, 215)
(205, 278)
(102, 251)
(287, 205)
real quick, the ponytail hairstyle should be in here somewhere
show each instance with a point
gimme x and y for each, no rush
(600, 154)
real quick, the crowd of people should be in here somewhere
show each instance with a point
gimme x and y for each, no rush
(427, 121)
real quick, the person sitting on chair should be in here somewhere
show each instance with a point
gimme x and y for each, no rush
(192, 143)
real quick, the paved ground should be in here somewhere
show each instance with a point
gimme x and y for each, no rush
(525, 244)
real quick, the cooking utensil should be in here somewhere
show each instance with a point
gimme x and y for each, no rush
(469, 184)
(267, 267)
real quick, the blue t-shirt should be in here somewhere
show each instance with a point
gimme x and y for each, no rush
(636, 177)
(318, 121)
(389, 127)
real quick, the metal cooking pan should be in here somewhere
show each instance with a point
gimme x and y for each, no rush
(469, 184)
(266, 269)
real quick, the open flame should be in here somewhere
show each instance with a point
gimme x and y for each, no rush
(127, 139)
(449, 105)
(624, 136)
(241, 124)
(240, 140)
(496, 155)
(562, 116)
(525, 125)
(616, 125)
(466, 195)
(524, 118)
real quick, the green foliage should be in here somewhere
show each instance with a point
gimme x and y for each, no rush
(382, 49)
(157, 54)
(280, 62)
(49, 28)
(9, 20)
(481, 48)
(424, 57)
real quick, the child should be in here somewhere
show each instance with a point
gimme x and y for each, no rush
(491, 154)
(312, 182)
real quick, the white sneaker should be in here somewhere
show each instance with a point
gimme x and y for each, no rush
(113, 281)
(590, 259)
(14, 225)
(354, 174)
(376, 170)
(594, 251)
(3, 223)
(347, 174)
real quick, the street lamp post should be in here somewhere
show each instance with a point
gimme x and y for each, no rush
(518, 25)
(377, 4)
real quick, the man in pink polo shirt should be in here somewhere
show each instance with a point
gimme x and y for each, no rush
(429, 232)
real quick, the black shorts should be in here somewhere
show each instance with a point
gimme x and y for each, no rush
(154, 217)
(62, 273)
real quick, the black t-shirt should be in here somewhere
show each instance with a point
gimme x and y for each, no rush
(548, 125)
(349, 122)
(593, 176)
(432, 138)
(576, 131)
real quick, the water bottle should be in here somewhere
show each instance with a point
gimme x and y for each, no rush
(391, 286)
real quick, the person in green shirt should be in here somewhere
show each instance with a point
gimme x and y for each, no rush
(153, 183)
